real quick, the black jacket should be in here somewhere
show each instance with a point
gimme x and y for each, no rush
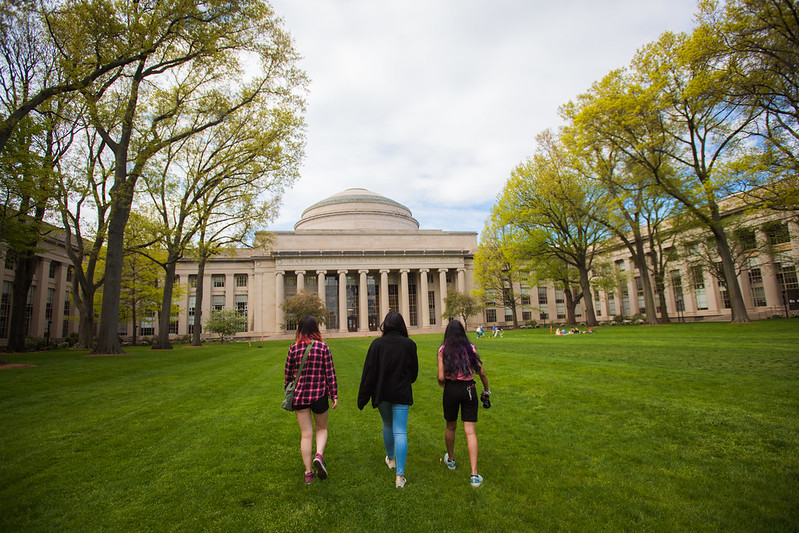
(391, 366)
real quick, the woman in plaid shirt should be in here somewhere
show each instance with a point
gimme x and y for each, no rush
(316, 383)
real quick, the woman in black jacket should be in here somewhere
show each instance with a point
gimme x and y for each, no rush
(390, 368)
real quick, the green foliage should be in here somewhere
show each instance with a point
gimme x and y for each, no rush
(680, 418)
(460, 304)
(304, 304)
(226, 323)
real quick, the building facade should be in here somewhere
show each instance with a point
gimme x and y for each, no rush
(766, 274)
(363, 254)
(359, 251)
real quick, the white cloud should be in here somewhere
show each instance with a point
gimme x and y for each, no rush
(433, 102)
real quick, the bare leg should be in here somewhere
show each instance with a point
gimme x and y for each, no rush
(306, 437)
(449, 438)
(321, 431)
(471, 444)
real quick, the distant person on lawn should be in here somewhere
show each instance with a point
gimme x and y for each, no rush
(316, 384)
(390, 368)
(457, 363)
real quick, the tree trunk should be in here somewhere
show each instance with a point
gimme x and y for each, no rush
(639, 259)
(737, 304)
(25, 264)
(122, 195)
(198, 302)
(163, 342)
(585, 284)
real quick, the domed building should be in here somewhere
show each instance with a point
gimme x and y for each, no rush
(361, 252)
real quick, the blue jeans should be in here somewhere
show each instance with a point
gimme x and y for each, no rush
(395, 432)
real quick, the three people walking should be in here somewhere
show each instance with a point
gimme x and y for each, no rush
(389, 371)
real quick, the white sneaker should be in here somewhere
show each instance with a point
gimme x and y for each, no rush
(391, 463)
(450, 464)
(477, 480)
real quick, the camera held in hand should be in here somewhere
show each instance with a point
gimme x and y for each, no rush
(485, 397)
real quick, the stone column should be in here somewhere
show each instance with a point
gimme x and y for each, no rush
(342, 300)
(442, 282)
(461, 286)
(363, 301)
(383, 294)
(279, 296)
(405, 308)
(230, 289)
(423, 301)
(768, 271)
(300, 280)
(321, 291)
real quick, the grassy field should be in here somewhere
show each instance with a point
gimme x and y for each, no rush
(687, 427)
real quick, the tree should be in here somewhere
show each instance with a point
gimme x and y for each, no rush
(225, 322)
(32, 152)
(547, 200)
(670, 114)
(637, 207)
(83, 203)
(497, 267)
(191, 76)
(304, 304)
(222, 183)
(460, 304)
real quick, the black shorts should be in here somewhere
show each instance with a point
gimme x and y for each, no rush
(463, 395)
(319, 406)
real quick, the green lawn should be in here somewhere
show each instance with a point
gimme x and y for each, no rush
(688, 427)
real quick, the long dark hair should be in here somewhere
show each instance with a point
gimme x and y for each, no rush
(458, 355)
(308, 330)
(394, 323)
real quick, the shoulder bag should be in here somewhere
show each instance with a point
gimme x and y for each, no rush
(288, 398)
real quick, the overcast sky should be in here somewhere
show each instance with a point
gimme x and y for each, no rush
(432, 103)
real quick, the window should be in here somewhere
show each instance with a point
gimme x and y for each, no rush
(625, 302)
(756, 283)
(560, 304)
(52, 270)
(676, 287)
(192, 307)
(48, 305)
(597, 304)
(29, 310)
(542, 295)
(491, 315)
(525, 299)
(241, 280)
(5, 308)
(70, 272)
(147, 326)
(527, 316)
(612, 304)
(412, 303)
(508, 315)
(431, 304)
(725, 294)
(173, 325)
(218, 281)
(9, 261)
(217, 302)
(746, 238)
(620, 265)
(241, 307)
(639, 290)
(671, 253)
(698, 280)
(777, 233)
(192, 281)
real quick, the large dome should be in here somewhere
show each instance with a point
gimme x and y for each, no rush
(357, 209)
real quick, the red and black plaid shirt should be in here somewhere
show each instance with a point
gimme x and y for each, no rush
(318, 378)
